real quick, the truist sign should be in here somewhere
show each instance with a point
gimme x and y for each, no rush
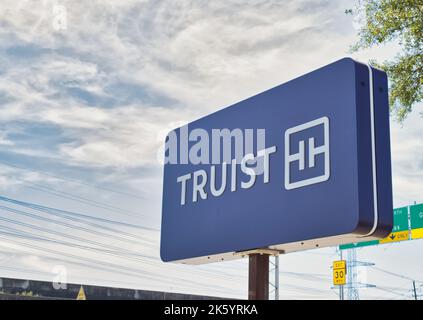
(303, 165)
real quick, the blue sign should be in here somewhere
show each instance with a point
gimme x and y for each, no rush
(303, 165)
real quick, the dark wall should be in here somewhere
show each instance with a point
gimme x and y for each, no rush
(27, 289)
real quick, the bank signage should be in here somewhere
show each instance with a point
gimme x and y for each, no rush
(303, 165)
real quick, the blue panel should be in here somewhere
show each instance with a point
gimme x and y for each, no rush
(335, 98)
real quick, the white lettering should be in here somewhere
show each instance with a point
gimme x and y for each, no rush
(233, 175)
(183, 180)
(249, 171)
(213, 190)
(266, 162)
(199, 187)
(249, 167)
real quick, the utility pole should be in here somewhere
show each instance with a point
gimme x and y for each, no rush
(414, 290)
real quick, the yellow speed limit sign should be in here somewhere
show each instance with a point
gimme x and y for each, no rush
(339, 272)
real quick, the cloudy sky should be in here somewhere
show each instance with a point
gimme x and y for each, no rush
(87, 91)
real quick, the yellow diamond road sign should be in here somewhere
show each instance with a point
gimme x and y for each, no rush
(339, 272)
(396, 236)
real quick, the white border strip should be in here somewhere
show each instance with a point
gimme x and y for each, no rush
(372, 126)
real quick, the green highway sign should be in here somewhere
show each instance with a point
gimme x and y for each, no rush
(400, 219)
(400, 230)
(358, 244)
(416, 221)
(416, 216)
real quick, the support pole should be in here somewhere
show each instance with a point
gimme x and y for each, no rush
(414, 290)
(341, 287)
(276, 277)
(258, 276)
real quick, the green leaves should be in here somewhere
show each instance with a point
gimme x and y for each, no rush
(406, 74)
(402, 21)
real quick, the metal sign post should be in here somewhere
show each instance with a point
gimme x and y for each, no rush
(341, 287)
(274, 280)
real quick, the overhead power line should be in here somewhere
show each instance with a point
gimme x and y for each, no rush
(73, 237)
(70, 196)
(31, 236)
(104, 265)
(83, 183)
(68, 225)
(72, 213)
(397, 275)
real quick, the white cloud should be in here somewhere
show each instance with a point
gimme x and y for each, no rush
(166, 49)
(407, 158)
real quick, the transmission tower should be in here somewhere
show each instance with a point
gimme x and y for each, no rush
(352, 287)
(274, 281)
(353, 284)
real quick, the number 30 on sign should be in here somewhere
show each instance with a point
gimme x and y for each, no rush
(339, 271)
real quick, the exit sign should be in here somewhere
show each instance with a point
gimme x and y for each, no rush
(339, 272)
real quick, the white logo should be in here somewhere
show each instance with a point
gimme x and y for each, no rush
(300, 156)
